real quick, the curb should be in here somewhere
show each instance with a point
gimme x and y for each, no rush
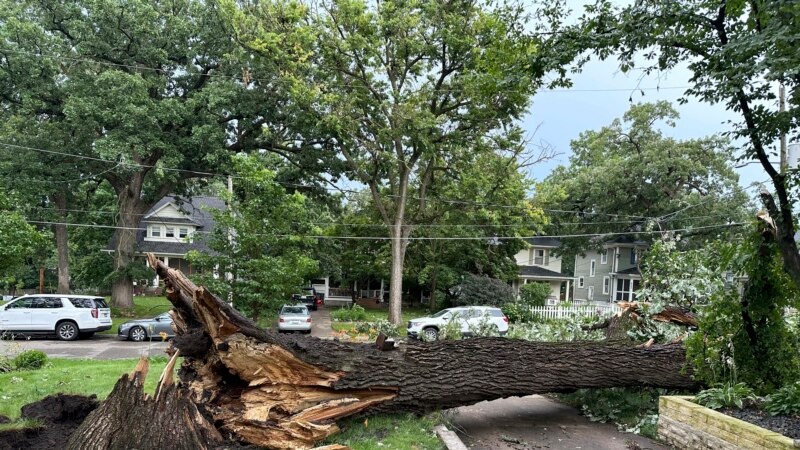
(449, 438)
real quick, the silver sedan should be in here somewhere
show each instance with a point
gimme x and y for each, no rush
(159, 327)
(294, 318)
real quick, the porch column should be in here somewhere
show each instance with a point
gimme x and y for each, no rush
(381, 297)
(566, 294)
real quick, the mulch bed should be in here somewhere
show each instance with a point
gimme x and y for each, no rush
(788, 426)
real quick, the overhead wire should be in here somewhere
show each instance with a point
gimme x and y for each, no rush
(281, 80)
(418, 238)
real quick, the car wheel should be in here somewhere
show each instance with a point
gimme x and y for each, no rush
(430, 333)
(137, 334)
(86, 335)
(67, 331)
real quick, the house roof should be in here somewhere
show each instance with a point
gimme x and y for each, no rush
(198, 212)
(543, 242)
(536, 271)
(624, 239)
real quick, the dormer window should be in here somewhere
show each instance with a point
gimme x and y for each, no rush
(155, 231)
(170, 232)
(183, 232)
(538, 257)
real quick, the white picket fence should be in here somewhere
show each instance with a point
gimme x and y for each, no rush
(559, 312)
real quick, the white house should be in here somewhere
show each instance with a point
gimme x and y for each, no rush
(539, 263)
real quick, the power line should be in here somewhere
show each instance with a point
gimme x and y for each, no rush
(421, 238)
(281, 80)
(334, 189)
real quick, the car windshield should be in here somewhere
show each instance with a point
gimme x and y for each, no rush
(299, 310)
(441, 313)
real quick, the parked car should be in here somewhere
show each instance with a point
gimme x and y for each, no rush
(67, 316)
(309, 297)
(468, 318)
(143, 329)
(294, 318)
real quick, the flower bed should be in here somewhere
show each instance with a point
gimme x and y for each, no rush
(687, 425)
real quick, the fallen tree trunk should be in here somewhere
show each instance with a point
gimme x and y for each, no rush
(280, 391)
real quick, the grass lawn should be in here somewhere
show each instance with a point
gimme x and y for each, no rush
(389, 432)
(143, 308)
(86, 377)
(69, 376)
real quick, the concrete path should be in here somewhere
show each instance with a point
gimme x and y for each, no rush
(537, 422)
(321, 323)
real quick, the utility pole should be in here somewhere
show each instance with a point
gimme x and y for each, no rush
(782, 108)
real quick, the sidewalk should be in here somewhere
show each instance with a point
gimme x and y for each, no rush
(536, 422)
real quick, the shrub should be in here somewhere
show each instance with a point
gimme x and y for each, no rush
(355, 314)
(484, 291)
(30, 360)
(534, 294)
(5, 364)
(725, 396)
(634, 410)
(785, 401)
(387, 328)
(518, 313)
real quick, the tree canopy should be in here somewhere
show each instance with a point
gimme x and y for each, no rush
(629, 176)
(738, 52)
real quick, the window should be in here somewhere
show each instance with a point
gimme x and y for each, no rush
(606, 285)
(590, 294)
(591, 268)
(538, 257)
(633, 256)
(47, 302)
(580, 282)
(604, 257)
(626, 289)
(183, 232)
(155, 231)
(22, 303)
(170, 232)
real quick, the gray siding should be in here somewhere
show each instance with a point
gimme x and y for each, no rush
(625, 258)
(582, 269)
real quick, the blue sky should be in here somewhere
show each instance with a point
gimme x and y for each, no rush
(601, 93)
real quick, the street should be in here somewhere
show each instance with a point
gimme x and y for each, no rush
(109, 346)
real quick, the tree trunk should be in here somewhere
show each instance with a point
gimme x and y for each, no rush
(130, 210)
(131, 419)
(62, 244)
(396, 279)
(285, 392)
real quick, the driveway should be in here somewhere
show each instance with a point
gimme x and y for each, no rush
(535, 422)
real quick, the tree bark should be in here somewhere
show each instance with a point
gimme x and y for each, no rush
(62, 244)
(131, 419)
(131, 207)
(286, 392)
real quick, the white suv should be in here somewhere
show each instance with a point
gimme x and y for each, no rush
(468, 318)
(66, 316)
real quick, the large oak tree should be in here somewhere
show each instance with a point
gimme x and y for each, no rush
(737, 51)
(138, 91)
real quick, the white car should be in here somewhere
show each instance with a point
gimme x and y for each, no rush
(468, 319)
(294, 318)
(66, 316)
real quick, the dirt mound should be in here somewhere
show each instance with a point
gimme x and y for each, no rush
(58, 414)
(61, 408)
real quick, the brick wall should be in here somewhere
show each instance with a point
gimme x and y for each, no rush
(689, 426)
